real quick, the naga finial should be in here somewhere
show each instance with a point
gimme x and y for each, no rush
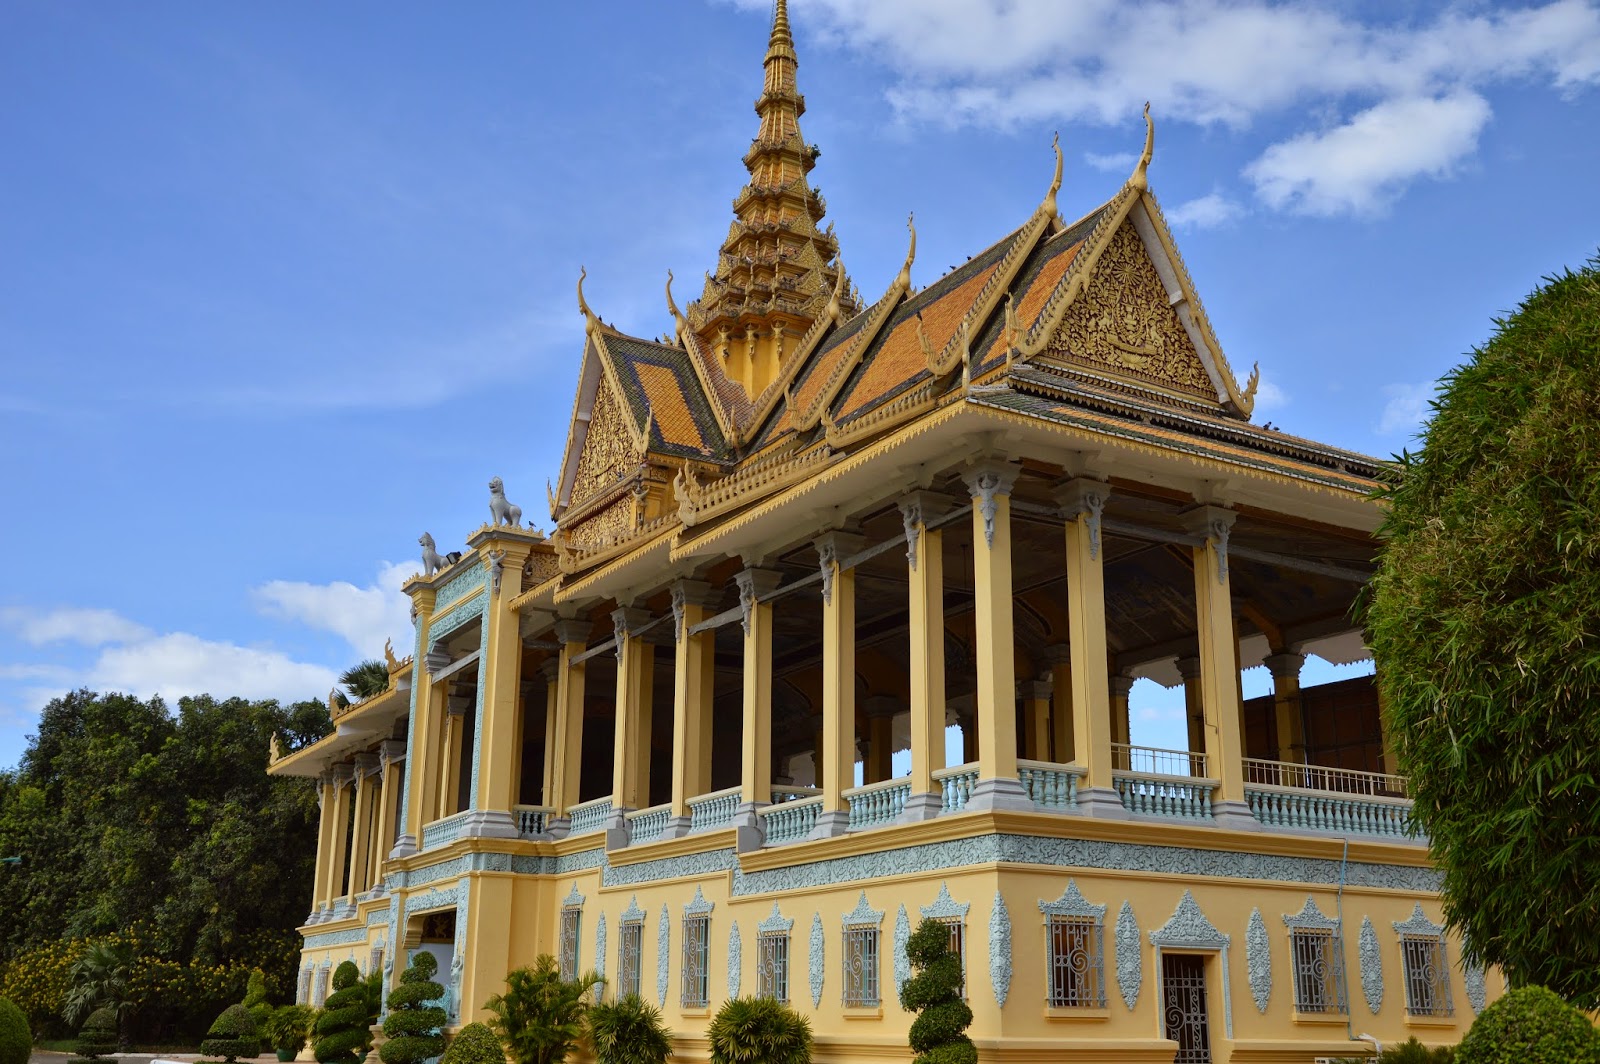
(1049, 204)
(836, 301)
(928, 353)
(1140, 180)
(903, 280)
(583, 304)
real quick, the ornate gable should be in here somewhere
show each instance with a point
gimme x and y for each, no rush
(609, 453)
(1124, 324)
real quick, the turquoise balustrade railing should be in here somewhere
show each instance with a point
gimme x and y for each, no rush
(1183, 798)
(443, 831)
(589, 816)
(646, 825)
(713, 810)
(955, 786)
(789, 821)
(1050, 785)
(877, 803)
(1319, 811)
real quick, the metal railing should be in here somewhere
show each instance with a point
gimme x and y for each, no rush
(646, 825)
(1051, 785)
(1290, 807)
(789, 821)
(713, 810)
(877, 803)
(531, 819)
(1161, 795)
(955, 786)
(1324, 778)
(1155, 761)
(589, 816)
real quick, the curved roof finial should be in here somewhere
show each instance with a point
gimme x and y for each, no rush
(1140, 180)
(679, 325)
(836, 301)
(903, 279)
(1049, 204)
(583, 304)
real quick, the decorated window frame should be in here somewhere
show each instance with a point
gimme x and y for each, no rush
(1075, 951)
(953, 915)
(772, 956)
(1316, 957)
(1424, 967)
(570, 940)
(630, 950)
(863, 956)
(695, 992)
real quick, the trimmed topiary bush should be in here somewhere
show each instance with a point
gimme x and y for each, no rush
(1530, 1025)
(759, 1030)
(342, 1033)
(255, 998)
(628, 1031)
(233, 1035)
(16, 1042)
(474, 1044)
(938, 1034)
(412, 1026)
(97, 1039)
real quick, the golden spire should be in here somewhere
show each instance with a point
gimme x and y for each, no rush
(779, 270)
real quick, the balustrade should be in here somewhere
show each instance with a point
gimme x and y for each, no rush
(955, 786)
(443, 831)
(1185, 798)
(713, 810)
(645, 825)
(1323, 778)
(590, 816)
(531, 819)
(789, 821)
(1289, 807)
(878, 803)
(1050, 785)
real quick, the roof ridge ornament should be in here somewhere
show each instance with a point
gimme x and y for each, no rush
(591, 323)
(903, 278)
(1140, 179)
(835, 309)
(680, 327)
(1048, 207)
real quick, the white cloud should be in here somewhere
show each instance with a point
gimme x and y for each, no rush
(1270, 397)
(1360, 166)
(362, 616)
(179, 664)
(1002, 63)
(1406, 408)
(1206, 212)
(1115, 163)
(86, 627)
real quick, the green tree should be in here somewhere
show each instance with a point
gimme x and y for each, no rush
(98, 1038)
(100, 981)
(628, 1031)
(1484, 618)
(342, 1033)
(759, 1030)
(16, 1042)
(233, 1035)
(1530, 1025)
(366, 679)
(255, 997)
(540, 1016)
(938, 1034)
(474, 1044)
(413, 1023)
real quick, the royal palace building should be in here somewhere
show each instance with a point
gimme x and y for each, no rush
(835, 633)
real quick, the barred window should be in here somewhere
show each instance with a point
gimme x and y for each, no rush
(375, 961)
(630, 942)
(1318, 970)
(302, 994)
(570, 927)
(772, 965)
(1077, 963)
(1427, 975)
(861, 966)
(696, 961)
(958, 945)
(319, 993)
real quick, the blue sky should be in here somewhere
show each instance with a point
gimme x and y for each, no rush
(282, 286)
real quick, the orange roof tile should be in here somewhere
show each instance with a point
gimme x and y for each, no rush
(673, 420)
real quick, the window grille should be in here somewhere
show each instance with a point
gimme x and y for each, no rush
(628, 946)
(302, 994)
(1077, 963)
(861, 966)
(958, 945)
(1318, 970)
(772, 965)
(375, 961)
(696, 961)
(1427, 975)
(320, 994)
(570, 928)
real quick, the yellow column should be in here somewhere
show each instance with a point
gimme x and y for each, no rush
(755, 780)
(1219, 676)
(997, 787)
(878, 764)
(566, 758)
(1121, 684)
(691, 701)
(1285, 669)
(1059, 657)
(550, 671)
(422, 749)
(925, 570)
(343, 778)
(838, 681)
(366, 767)
(455, 724)
(391, 756)
(632, 736)
(1194, 712)
(1082, 501)
(1035, 696)
(497, 751)
(319, 886)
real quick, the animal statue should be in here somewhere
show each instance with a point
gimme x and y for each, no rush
(432, 560)
(501, 511)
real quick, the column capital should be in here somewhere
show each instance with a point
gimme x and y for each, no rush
(391, 751)
(1036, 690)
(457, 705)
(917, 508)
(752, 584)
(572, 630)
(1121, 683)
(367, 764)
(687, 593)
(1056, 654)
(1081, 495)
(629, 619)
(987, 482)
(832, 548)
(550, 671)
(436, 658)
(1188, 668)
(342, 773)
(1284, 665)
(881, 706)
(1212, 523)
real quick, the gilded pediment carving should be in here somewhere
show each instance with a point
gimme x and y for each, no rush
(609, 452)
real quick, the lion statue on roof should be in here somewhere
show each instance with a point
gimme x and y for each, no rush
(501, 510)
(432, 560)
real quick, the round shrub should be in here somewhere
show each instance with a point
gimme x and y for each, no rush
(233, 1035)
(628, 1031)
(342, 1033)
(938, 1034)
(1530, 1025)
(16, 1043)
(759, 1031)
(412, 1025)
(98, 1038)
(474, 1044)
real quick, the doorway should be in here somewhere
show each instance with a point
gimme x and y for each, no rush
(1184, 1007)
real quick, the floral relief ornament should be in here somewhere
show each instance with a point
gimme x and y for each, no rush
(1130, 962)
